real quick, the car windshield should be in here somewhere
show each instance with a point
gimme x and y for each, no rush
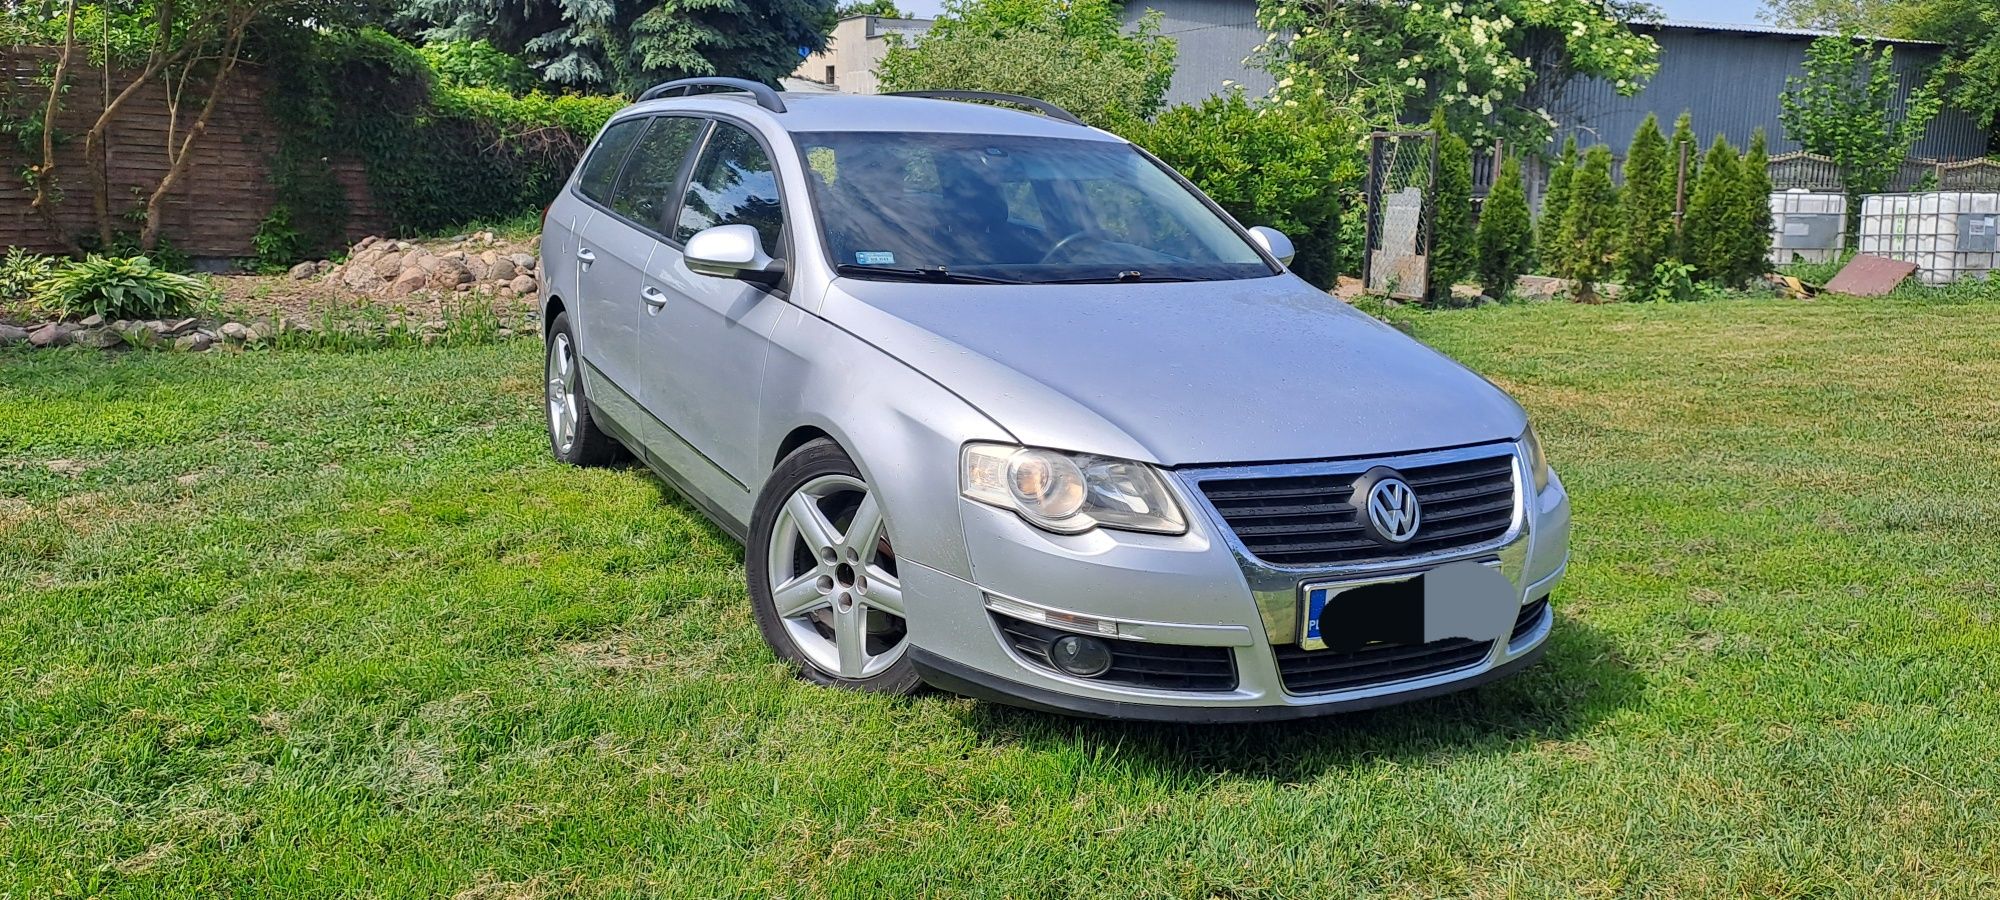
(1001, 209)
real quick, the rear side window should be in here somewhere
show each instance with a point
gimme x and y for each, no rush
(602, 166)
(733, 184)
(645, 191)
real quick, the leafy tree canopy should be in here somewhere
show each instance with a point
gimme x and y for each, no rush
(884, 8)
(1969, 30)
(607, 46)
(1073, 53)
(1496, 67)
(1845, 107)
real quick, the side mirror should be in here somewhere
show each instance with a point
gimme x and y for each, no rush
(1273, 241)
(732, 251)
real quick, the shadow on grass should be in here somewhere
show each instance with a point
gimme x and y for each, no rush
(1579, 682)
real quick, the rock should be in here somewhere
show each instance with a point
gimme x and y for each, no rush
(459, 238)
(10, 335)
(361, 278)
(389, 266)
(193, 343)
(480, 269)
(408, 282)
(235, 331)
(523, 285)
(91, 321)
(465, 288)
(303, 271)
(180, 326)
(261, 330)
(449, 274)
(501, 270)
(54, 334)
(367, 242)
(507, 292)
(324, 266)
(522, 260)
(424, 261)
(96, 338)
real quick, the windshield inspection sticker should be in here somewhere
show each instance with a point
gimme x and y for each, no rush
(875, 257)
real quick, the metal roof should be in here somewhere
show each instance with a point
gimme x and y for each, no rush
(1752, 28)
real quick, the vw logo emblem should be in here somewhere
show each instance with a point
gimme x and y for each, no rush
(1393, 510)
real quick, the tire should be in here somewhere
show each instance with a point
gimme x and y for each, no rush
(826, 593)
(574, 435)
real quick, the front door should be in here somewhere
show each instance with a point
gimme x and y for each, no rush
(712, 334)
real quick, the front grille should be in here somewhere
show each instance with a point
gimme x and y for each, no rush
(1531, 616)
(1324, 671)
(1313, 520)
(1166, 667)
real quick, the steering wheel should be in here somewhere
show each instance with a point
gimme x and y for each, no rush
(1064, 245)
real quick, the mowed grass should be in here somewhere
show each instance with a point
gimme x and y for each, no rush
(304, 625)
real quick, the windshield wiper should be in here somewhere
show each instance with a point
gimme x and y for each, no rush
(938, 274)
(1129, 277)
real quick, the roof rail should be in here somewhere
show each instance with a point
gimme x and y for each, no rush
(1045, 107)
(683, 87)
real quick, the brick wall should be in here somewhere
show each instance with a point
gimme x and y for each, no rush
(217, 204)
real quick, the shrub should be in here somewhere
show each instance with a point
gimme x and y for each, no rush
(1293, 168)
(21, 272)
(1590, 226)
(1645, 209)
(1753, 251)
(1506, 236)
(1453, 243)
(120, 288)
(1555, 209)
(479, 64)
(1714, 219)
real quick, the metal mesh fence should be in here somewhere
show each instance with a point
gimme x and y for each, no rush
(1402, 175)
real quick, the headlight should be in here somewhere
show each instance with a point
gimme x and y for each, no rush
(1538, 464)
(1070, 493)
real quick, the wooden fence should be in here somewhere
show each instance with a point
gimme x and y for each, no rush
(216, 207)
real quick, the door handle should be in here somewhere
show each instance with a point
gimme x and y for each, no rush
(655, 298)
(583, 255)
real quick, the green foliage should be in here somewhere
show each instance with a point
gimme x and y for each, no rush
(610, 46)
(436, 155)
(1845, 107)
(21, 272)
(1506, 234)
(1491, 65)
(120, 288)
(1680, 186)
(1753, 238)
(1293, 168)
(1555, 209)
(885, 8)
(1453, 243)
(1590, 225)
(1715, 217)
(1645, 207)
(1073, 53)
(479, 64)
(276, 243)
(1968, 29)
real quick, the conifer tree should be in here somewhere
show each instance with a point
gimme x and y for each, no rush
(1713, 229)
(1753, 254)
(1590, 226)
(1452, 237)
(1645, 208)
(1555, 208)
(1506, 233)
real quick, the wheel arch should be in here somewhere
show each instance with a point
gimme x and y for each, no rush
(552, 308)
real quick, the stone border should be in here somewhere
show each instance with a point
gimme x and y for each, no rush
(192, 335)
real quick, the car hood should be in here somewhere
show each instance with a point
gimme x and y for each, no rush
(1258, 370)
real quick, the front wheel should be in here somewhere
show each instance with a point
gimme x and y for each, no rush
(823, 577)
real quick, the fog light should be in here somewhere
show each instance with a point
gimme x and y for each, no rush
(1084, 657)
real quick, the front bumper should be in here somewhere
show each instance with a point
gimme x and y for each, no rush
(1201, 590)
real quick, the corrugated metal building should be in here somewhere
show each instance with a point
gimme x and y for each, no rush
(1729, 76)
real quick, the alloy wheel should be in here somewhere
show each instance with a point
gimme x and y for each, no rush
(562, 394)
(834, 581)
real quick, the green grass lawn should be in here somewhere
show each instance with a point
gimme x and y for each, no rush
(298, 624)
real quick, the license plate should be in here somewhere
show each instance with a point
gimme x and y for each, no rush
(1468, 600)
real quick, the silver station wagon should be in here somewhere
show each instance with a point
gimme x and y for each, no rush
(999, 403)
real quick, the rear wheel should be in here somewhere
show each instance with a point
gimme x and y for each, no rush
(824, 582)
(574, 437)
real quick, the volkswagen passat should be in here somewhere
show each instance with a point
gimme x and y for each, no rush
(998, 402)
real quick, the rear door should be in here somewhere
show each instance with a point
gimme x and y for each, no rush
(604, 327)
(711, 334)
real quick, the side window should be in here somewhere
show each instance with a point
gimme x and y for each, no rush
(733, 184)
(645, 191)
(602, 166)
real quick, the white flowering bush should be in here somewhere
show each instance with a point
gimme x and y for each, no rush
(1491, 65)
